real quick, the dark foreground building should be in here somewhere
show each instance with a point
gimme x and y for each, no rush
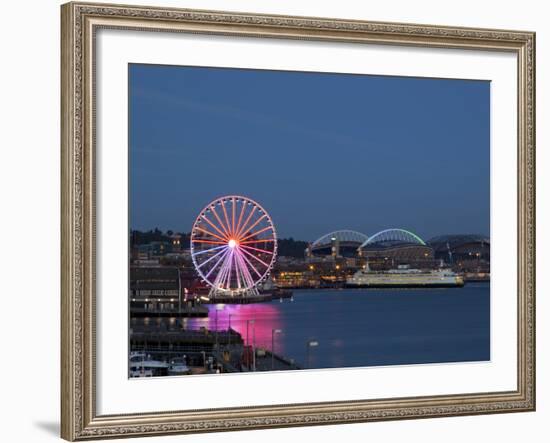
(154, 287)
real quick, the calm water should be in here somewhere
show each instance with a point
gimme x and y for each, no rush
(367, 327)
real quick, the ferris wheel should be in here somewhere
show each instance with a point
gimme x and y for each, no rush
(233, 245)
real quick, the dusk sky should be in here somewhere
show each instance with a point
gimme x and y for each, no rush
(320, 152)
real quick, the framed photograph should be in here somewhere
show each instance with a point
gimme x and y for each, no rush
(277, 221)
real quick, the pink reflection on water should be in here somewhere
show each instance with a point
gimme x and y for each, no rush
(260, 319)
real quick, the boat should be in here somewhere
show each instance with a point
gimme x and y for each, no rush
(178, 366)
(405, 277)
(141, 365)
(270, 288)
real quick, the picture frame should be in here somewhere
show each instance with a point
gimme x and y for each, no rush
(79, 179)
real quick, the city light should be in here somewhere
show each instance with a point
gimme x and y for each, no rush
(273, 332)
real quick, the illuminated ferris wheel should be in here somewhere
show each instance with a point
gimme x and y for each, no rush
(233, 245)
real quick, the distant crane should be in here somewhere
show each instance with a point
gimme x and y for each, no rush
(450, 253)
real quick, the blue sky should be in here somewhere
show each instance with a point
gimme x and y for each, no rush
(320, 152)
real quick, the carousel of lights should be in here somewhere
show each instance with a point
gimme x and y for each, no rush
(233, 246)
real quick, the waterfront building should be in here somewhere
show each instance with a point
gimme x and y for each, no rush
(466, 253)
(336, 244)
(177, 242)
(294, 279)
(314, 274)
(455, 248)
(391, 248)
(154, 288)
(388, 256)
(144, 261)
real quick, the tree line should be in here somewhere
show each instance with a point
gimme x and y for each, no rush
(287, 247)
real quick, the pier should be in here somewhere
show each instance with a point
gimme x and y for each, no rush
(204, 339)
(205, 351)
(183, 311)
(246, 299)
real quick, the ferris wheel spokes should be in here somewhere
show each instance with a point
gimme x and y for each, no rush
(256, 233)
(256, 249)
(211, 249)
(243, 207)
(247, 242)
(253, 225)
(215, 266)
(256, 258)
(220, 221)
(212, 234)
(246, 272)
(242, 230)
(251, 266)
(213, 257)
(233, 215)
(225, 216)
(205, 218)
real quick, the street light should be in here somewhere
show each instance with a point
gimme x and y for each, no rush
(218, 308)
(254, 346)
(310, 344)
(229, 331)
(273, 332)
(250, 321)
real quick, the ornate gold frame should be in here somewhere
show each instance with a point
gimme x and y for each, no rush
(79, 23)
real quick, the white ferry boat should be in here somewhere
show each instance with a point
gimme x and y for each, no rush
(404, 277)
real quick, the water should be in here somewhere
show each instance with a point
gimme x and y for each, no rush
(367, 327)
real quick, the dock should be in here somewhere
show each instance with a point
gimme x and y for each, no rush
(247, 299)
(207, 351)
(184, 311)
(172, 339)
